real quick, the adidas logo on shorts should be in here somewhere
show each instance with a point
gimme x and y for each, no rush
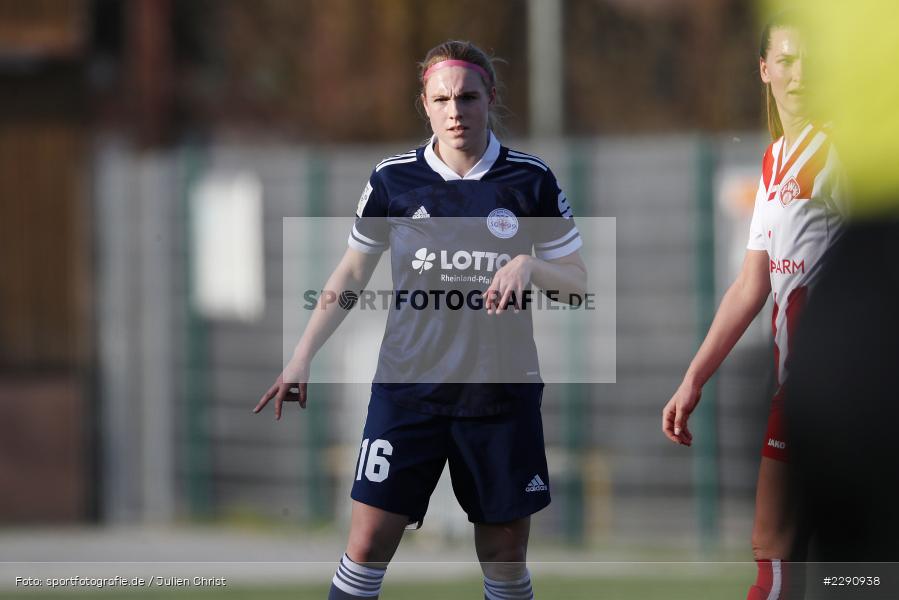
(536, 485)
(421, 213)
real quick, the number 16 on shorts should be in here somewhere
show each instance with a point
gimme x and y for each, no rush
(372, 460)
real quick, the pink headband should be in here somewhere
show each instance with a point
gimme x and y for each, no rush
(457, 63)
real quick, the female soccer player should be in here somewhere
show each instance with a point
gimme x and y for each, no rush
(437, 396)
(797, 216)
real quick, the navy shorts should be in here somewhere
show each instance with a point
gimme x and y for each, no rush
(497, 463)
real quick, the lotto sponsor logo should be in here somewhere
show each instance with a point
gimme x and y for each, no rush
(777, 444)
(787, 266)
(461, 260)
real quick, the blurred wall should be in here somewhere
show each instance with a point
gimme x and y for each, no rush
(178, 387)
(111, 109)
(45, 271)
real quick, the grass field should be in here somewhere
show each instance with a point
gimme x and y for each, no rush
(545, 588)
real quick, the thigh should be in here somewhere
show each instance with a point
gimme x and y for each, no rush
(498, 465)
(400, 459)
(776, 446)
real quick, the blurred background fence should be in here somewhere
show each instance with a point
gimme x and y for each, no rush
(123, 402)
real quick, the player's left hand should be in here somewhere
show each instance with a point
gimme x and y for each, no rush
(290, 386)
(512, 278)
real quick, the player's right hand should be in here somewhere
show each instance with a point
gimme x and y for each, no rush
(290, 386)
(677, 412)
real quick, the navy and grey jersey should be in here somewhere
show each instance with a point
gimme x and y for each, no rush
(448, 235)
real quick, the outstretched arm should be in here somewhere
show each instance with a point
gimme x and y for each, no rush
(742, 302)
(351, 274)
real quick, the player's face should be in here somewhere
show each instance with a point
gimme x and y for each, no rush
(456, 101)
(782, 68)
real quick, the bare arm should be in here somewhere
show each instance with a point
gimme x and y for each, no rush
(351, 274)
(567, 275)
(741, 303)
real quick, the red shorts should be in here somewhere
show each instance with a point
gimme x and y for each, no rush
(775, 445)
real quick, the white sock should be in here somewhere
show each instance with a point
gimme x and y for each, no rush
(357, 580)
(519, 589)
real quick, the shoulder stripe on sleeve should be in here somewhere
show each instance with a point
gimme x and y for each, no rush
(365, 239)
(397, 156)
(517, 154)
(364, 244)
(396, 161)
(558, 241)
(527, 160)
(572, 244)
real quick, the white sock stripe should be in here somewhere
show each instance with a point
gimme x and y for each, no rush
(524, 594)
(504, 586)
(362, 570)
(518, 589)
(776, 580)
(352, 591)
(508, 584)
(524, 591)
(362, 584)
(492, 595)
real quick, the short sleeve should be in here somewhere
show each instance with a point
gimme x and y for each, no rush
(370, 231)
(756, 228)
(555, 234)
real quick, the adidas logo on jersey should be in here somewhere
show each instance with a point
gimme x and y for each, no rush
(421, 213)
(536, 485)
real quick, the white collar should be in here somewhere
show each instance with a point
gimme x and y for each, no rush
(476, 172)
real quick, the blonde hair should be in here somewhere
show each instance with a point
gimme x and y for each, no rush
(462, 50)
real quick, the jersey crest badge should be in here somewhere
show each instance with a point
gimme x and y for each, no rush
(789, 191)
(502, 223)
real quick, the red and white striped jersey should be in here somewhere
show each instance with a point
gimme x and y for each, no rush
(798, 215)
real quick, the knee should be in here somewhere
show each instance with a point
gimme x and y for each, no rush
(769, 543)
(504, 564)
(363, 548)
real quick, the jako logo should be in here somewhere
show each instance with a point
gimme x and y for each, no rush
(424, 260)
(460, 261)
(776, 444)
